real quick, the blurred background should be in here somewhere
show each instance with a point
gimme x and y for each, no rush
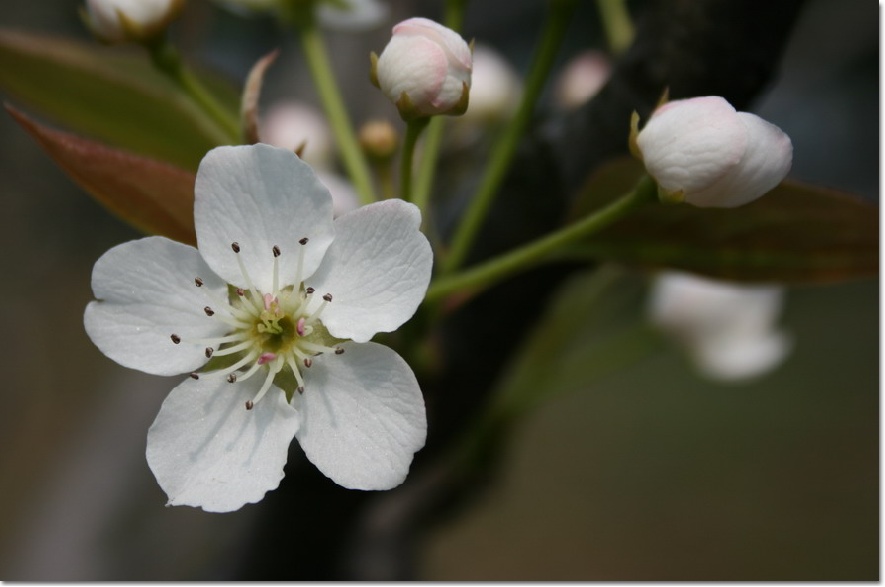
(651, 474)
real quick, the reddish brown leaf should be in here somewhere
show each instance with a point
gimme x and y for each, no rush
(794, 234)
(155, 197)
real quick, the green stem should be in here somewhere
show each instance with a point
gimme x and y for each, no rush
(321, 72)
(617, 24)
(413, 131)
(167, 60)
(498, 268)
(552, 35)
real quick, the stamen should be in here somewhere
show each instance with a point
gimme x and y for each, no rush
(271, 373)
(233, 349)
(209, 311)
(319, 348)
(198, 282)
(249, 404)
(309, 290)
(209, 351)
(300, 265)
(276, 268)
(339, 351)
(327, 297)
(255, 295)
(175, 338)
(194, 376)
(299, 326)
(308, 362)
(290, 360)
(266, 358)
(232, 378)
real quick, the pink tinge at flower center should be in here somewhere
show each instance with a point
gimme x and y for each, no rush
(272, 332)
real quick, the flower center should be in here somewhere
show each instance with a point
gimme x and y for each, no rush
(272, 333)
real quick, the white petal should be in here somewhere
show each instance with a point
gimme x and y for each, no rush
(207, 450)
(362, 416)
(377, 270)
(260, 197)
(689, 145)
(146, 293)
(766, 162)
(736, 359)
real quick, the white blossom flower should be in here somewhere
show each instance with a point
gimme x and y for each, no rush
(702, 151)
(425, 69)
(729, 330)
(271, 315)
(119, 21)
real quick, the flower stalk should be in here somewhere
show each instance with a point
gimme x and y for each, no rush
(321, 71)
(502, 155)
(414, 128)
(494, 270)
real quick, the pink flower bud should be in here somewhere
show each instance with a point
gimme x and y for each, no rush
(120, 21)
(702, 151)
(425, 69)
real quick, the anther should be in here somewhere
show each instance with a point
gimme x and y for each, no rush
(175, 338)
(309, 290)
(235, 246)
(339, 351)
(249, 404)
(303, 241)
(232, 378)
(198, 282)
(327, 297)
(300, 389)
(308, 363)
(240, 291)
(194, 376)
(276, 251)
(299, 326)
(209, 311)
(209, 351)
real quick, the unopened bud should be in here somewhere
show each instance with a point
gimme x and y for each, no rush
(135, 21)
(425, 69)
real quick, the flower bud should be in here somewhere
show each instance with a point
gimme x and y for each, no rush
(702, 151)
(581, 78)
(299, 127)
(121, 21)
(378, 140)
(727, 329)
(425, 69)
(495, 87)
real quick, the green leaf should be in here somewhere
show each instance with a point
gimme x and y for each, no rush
(796, 233)
(109, 94)
(153, 196)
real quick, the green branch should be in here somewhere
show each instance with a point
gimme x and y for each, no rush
(552, 35)
(494, 270)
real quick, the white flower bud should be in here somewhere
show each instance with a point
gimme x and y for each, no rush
(352, 15)
(299, 127)
(121, 21)
(727, 329)
(495, 87)
(702, 151)
(581, 78)
(425, 69)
